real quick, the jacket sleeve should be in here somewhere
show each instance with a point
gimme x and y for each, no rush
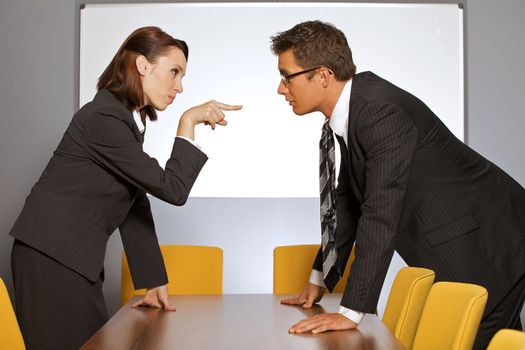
(107, 135)
(141, 245)
(110, 141)
(388, 139)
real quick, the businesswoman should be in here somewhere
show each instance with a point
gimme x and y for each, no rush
(96, 181)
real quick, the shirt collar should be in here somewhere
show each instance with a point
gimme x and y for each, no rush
(138, 121)
(339, 117)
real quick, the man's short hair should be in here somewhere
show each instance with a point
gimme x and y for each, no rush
(316, 43)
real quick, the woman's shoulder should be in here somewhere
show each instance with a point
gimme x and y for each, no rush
(105, 103)
(104, 114)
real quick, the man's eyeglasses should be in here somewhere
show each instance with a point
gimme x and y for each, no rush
(286, 77)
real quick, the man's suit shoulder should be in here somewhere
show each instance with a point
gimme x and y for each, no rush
(371, 86)
(370, 89)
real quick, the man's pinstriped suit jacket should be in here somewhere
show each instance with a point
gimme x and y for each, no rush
(406, 183)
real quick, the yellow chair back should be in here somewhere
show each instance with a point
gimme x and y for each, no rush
(405, 302)
(507, 339)
(292, 266)
(451, 316)
(191, 270)
(11, 337)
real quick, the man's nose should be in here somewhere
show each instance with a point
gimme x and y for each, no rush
(282, 88)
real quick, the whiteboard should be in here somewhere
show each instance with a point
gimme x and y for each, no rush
(266, 150)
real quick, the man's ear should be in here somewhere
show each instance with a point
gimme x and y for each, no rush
(142, 64)
(326, 76)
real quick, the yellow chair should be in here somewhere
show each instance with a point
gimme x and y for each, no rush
(507, 339)
(11, 337)
(450, 317)
(191, 270)
(292, 266)
(405, 302)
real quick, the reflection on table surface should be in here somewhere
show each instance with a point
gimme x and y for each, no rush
(233, 321)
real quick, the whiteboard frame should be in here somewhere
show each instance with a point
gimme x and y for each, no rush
(310, 4)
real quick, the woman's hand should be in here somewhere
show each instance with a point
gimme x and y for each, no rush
(209, 113)
(157, 298)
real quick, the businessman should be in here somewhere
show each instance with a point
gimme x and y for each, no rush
(405, 184)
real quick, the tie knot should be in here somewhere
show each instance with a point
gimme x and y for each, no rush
(327, 136)
(326, 125)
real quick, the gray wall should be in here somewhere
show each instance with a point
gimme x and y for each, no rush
(38, 82)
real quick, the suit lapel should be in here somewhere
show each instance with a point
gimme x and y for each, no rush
(355, 157)
(346, 157)
(139, 135)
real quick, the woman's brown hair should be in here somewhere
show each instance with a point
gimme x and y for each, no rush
(121, 77)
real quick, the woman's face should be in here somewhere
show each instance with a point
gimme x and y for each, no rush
(162, 80)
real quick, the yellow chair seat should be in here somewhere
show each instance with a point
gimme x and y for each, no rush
(451, 317)
(406, 301)
(191, 270)
(10, 337)
(292, 266)
(507, 339)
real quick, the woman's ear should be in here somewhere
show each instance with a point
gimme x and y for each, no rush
(142, 64)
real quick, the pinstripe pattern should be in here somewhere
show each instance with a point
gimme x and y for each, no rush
(407, 184)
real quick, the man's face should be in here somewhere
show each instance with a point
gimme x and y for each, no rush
(304, 95)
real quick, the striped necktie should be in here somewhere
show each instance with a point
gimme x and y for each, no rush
(327, 197)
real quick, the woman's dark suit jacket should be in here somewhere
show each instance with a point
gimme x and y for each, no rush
(407, 184)
(95, 182)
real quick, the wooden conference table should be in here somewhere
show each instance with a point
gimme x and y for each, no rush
(233, 321)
